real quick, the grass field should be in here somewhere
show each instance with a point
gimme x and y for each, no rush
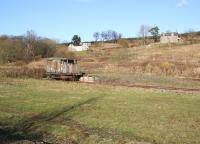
(62, 112)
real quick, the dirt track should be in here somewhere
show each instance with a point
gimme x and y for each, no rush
(190, 90)
(163, 88)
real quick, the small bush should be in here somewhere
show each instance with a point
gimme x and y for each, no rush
(23, 72)
(63, 52)
(123, 43)
(167, 67)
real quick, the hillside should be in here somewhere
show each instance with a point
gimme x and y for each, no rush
(177, 60)
(145, 94)
(168, 65)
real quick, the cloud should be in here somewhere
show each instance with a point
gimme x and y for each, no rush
(182, 3)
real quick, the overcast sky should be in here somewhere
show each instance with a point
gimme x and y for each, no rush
(61, 19)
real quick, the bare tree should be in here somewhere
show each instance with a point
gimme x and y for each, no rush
(144, 30)
(104, 36)
(109, 35)
(30, 42)
(96, 36)
(116, 36)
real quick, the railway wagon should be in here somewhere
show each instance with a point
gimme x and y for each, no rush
(63, 68)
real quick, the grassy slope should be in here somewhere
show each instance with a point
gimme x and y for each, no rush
(125, 65)
(186, 54)
(133, 65)
(94, 113)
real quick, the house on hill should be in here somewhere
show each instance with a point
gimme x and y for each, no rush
(170, 38)
(83, 47)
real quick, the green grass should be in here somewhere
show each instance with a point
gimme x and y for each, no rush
(61, 112)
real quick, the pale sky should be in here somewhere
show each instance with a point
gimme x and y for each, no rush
(61, 19)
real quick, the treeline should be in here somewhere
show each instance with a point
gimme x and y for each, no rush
(109, 35)
(26, 48)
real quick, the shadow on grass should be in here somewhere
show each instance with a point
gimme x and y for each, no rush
(24, 130)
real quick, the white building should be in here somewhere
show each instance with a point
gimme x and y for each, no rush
(169, 38)
(82, 47)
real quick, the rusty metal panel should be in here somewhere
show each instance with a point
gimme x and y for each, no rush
(60, 66)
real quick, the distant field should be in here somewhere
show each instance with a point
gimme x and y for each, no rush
(56, 111)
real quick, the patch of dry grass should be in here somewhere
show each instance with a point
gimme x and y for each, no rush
(23, 72)
(173, 60)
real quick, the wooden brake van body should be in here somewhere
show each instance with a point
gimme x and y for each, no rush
(63, 68)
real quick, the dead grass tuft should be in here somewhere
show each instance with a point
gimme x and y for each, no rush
(64, 52)
(123, 43)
